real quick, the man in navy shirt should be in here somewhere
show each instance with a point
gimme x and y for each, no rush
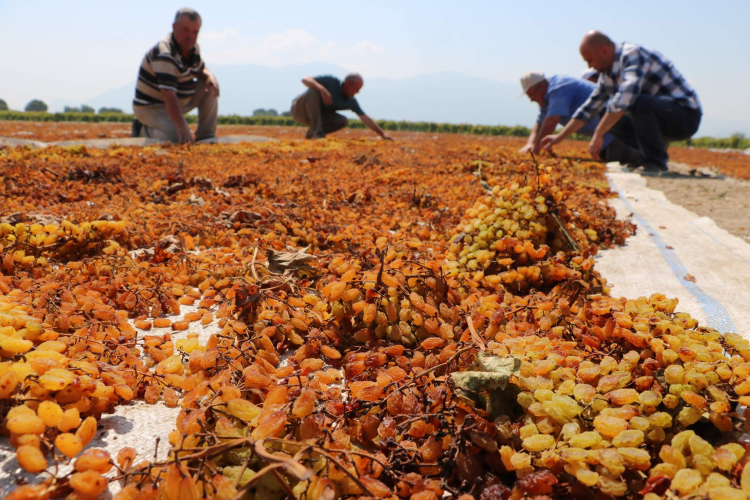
(559, 96)
(316, 108)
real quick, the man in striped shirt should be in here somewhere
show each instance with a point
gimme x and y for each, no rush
(648, 102)
(172, 81)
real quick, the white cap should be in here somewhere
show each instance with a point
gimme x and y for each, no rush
(588, 74)
(531, 78)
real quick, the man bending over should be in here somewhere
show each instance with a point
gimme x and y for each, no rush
(316, 108)
(172, 81)
(648, 101)
(559, 96)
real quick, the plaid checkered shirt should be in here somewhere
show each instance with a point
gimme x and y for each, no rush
(637, 70)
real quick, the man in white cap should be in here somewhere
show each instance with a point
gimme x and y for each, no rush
(559, 96)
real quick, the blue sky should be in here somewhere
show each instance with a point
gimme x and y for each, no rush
(79, 49)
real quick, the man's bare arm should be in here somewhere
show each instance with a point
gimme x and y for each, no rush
(370, 123)
(175, 113)
(548, 127)
(310, 83)
(609, 121)
(605, 125)
(571, 128)
(210, 78)
(533, 138)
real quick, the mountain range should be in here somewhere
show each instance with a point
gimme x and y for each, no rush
(441, 97)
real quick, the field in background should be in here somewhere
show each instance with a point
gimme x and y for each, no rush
(732, 163)
(737, 141)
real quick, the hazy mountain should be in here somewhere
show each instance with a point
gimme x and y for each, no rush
(441, 97)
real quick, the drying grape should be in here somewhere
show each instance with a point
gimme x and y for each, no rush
(686, 481)
(88, 483)
(339, 343)
(93, 459)
(68, 444)
(538, 483)
(31, 459)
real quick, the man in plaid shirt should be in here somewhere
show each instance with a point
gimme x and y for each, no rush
(648, 102)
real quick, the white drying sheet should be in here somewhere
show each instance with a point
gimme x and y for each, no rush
(137, 424)
(671, 245)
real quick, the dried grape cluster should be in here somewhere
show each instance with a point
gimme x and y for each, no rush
(381, 331)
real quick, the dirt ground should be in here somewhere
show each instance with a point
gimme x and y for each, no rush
(726, 201)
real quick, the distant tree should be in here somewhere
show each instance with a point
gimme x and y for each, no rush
(36, 105)
(109, 110)
(87, 109)
(286, 113)
(70, 109)
(265, 112)
(737, 140)
(3, 105)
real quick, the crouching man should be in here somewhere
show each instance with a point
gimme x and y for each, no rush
(172, 81)
(647, 100)
(316, 108)
(559, 96)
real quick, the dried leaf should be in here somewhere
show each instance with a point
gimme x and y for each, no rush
(486, 387)
(280, 262)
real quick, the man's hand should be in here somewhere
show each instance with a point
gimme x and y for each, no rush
(325, 95)
(211, 82)
(528, 147)
(551, 140)
(595, 146)
(184, 135)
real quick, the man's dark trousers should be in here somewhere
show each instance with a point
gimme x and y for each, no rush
(654, 121)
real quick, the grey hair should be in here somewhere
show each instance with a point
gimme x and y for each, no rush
(351, 77)
(192, 14)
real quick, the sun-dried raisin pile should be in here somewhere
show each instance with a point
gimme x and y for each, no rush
(417, 320)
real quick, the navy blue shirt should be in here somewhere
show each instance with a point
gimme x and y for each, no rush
(340, 101)
(564, 96)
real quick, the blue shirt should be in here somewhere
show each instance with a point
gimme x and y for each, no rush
(564, 96)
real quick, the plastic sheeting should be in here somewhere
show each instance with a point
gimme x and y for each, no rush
(127, 141)
(137, 424)
(672, 247)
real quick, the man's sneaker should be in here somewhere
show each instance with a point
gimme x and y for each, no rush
(649, 169)
(314, 134)
(135, 130)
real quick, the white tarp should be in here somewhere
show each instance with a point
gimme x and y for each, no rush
(127, 141)
(671, 246)
(137, 424)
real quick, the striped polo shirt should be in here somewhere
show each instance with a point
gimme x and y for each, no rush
(164, 67)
